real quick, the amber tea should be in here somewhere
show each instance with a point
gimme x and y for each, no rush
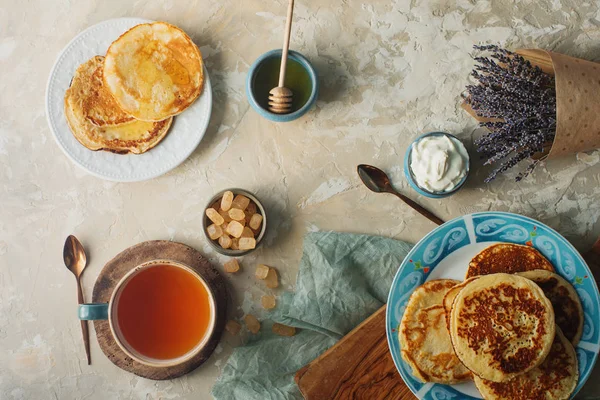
(163, 312)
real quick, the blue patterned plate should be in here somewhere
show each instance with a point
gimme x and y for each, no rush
(445, 253)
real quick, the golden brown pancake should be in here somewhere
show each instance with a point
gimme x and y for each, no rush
(501, 326)
(449, 299)
(568, 312)
(555, 379)
(507, 258)
(90, 95)
(83, 103)
(424, 339)
(154, 71)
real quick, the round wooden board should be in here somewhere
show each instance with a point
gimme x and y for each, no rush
(116, 268)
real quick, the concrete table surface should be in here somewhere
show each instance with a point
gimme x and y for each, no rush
(389, 71)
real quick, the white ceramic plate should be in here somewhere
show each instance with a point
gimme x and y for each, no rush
(185, 134)
(445, 253)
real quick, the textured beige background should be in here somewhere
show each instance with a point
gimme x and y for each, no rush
(389, 71)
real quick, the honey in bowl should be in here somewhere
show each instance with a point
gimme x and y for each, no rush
(163, 312)
(296, 78)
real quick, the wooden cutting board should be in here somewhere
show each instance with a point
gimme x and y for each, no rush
(360, 365)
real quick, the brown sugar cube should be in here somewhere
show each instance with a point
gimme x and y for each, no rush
(226, 200)
(235, 245)
(232, 266)
(214, 231)
(236, 214)
(225, 241)
(283, 330)
(272, 279)
(216, 205)
(233, 327)
(240, 202)
(268, 302)
(252, 323)
(251, 209)
(247, 232)
(235, 229)
(246, 243)
(261, 271)
(214, 216)
(255, 221)
(225, 216)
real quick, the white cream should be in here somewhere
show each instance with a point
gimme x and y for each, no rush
(438, 163)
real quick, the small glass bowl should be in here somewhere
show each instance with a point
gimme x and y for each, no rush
(411, 178)
(263, 229)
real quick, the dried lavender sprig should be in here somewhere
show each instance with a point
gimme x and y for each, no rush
(522, 97)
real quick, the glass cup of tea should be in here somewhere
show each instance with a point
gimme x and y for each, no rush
(161, 314)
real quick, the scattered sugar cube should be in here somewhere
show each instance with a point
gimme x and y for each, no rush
(255, 221)
(232, 266)
(252, 323)
(268, 302)
(236, 214)
(272, 279)
(247, 232)
(240, 202)
(225, 241)
(235, 229)
(246, 243)
(233, 327)
(226, 200)
(283, 330)
(235, 245)
(214, 231)
(214, 216)
(261, 271)
(251, 209)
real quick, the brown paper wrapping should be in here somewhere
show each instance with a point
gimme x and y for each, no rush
(577, 100)
(577, 105)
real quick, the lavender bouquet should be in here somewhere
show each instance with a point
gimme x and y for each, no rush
(518, 102)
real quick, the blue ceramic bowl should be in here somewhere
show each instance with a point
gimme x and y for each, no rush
(250, 83)
(411, 179)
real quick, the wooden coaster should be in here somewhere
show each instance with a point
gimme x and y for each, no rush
(125, 261)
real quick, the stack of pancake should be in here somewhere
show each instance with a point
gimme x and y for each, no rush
(511, 326)
(125, 102)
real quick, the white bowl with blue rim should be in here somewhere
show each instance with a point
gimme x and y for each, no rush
(258, 101)
(445, 254)
(411, 177)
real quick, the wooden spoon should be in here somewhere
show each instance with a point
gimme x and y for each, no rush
(377, 181)
(280, 97)
(75, 260)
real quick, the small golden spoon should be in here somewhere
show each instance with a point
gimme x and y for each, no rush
(75, 260)
(280, 97)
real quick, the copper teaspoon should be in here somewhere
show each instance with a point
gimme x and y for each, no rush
(75, 260)
(377, 181)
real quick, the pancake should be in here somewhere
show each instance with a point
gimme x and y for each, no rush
(80, 110)
(507, 258)
(154, 71)
(568, 313)
(556, 378)
(424, 339)
(95, 101)
(449, 299)
(501, 326)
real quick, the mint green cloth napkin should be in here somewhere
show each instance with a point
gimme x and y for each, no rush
(343, 278)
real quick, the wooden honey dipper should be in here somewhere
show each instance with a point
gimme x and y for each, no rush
(280, 97)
